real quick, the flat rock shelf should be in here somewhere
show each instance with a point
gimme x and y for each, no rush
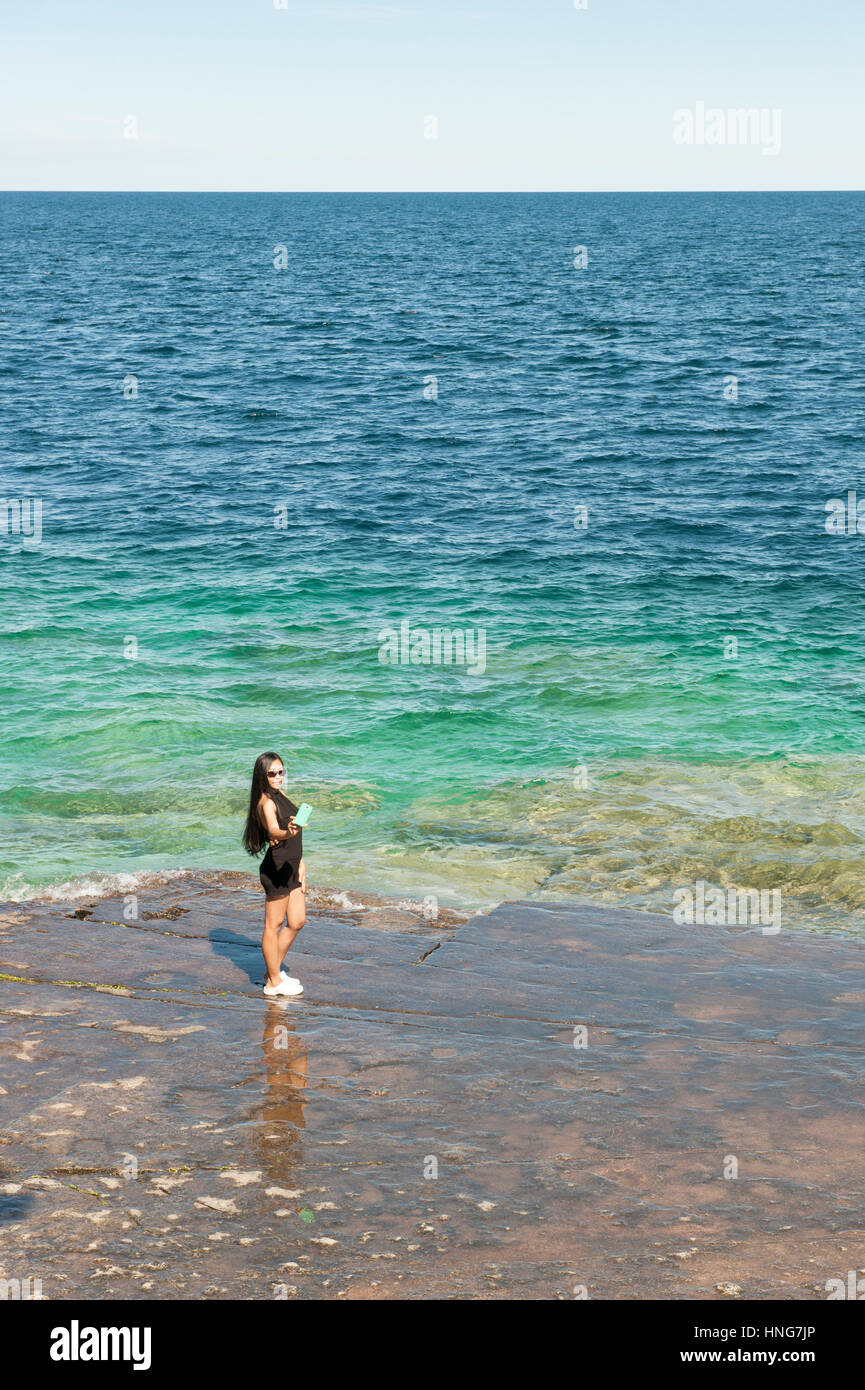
(543, 1103)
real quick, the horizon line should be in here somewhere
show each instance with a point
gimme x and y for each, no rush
(422, 192)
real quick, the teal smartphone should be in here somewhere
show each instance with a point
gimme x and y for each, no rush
(304, 811)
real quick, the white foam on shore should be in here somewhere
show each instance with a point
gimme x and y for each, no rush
(336, 899)
(16, 889)
(379, 908)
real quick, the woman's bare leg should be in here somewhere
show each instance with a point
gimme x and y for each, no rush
(295, 912)
(274, 915)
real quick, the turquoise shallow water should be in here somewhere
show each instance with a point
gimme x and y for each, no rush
(275, 490)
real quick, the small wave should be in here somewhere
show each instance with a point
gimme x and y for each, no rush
(325, 897)
(16, 889)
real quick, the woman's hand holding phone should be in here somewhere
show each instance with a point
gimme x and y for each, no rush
(291, 830)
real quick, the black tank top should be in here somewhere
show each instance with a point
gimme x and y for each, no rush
(288, 851)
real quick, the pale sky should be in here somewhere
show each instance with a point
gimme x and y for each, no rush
(527, 94)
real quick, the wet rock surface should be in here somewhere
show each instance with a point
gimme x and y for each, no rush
(579, 1079)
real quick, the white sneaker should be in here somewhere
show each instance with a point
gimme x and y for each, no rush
(292, 980)
(284, 989)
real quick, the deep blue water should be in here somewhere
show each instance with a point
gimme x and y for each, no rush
(556, 387)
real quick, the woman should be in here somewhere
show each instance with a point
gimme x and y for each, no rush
(282, 873)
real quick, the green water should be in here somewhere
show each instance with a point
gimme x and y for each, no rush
(281, 490)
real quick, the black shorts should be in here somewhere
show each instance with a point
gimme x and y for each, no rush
(278, 880)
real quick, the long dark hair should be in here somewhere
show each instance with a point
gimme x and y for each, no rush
(255, 837)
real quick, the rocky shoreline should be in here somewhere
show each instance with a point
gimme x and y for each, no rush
(542, 1102)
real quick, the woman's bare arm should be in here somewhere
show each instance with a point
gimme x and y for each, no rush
(267, 811)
